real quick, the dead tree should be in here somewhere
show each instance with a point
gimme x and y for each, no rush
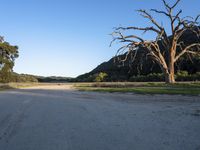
(166, 49)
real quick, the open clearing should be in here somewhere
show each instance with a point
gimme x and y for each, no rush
(56, 117)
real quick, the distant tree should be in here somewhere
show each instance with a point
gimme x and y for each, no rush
(166, 49)
(101, 77)
(8, 54)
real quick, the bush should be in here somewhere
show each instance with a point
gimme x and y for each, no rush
(184, 76)
(101, 77)
(182, 73)
(180, 76)
(146, 78)
(153, 77)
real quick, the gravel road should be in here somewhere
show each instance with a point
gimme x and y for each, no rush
(63, 119)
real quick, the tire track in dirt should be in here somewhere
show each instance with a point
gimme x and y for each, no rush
(10, 124)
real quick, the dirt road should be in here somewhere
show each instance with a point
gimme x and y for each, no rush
(63, 119)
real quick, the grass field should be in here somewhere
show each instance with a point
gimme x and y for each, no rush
(7, 86)
(34, 85)
(184, 88)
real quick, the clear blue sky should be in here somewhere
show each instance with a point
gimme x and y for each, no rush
(70, 37)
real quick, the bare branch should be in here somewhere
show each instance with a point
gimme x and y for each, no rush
(166, 5)
(120, 37)
(175, 4)
(177, 15)
(123, 48)
(127, 54)
(186, 50)
(160, 12)
(196, 19)
(138, 28)
(194, 53)
(145, 14)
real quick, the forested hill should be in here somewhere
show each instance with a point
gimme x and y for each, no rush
(118, 71)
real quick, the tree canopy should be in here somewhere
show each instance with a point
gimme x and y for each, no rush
(8, 54)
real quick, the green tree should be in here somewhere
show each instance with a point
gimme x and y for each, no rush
(101, 77)
(8, 54)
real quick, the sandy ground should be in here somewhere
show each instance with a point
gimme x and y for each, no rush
(51, 87)
(59, 118)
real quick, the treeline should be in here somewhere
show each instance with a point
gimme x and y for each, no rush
(14, 77)
(152, 77)
(157, 77)
(53, 79)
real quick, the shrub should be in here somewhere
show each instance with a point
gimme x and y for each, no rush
(101, 77)
(154, 77)
(157, 77)
(182, 73)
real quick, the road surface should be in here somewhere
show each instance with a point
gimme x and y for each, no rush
(63, 119)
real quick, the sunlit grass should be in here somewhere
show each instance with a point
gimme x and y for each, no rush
(186, 88)
(13, 85)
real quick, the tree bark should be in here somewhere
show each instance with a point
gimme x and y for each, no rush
(170, 77)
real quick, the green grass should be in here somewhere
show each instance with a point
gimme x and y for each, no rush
(189, 88)
(138, 84)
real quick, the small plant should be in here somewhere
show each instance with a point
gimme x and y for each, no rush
(101, 77)
(182, 73)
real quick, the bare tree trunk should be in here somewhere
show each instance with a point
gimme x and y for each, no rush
(170, 77)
